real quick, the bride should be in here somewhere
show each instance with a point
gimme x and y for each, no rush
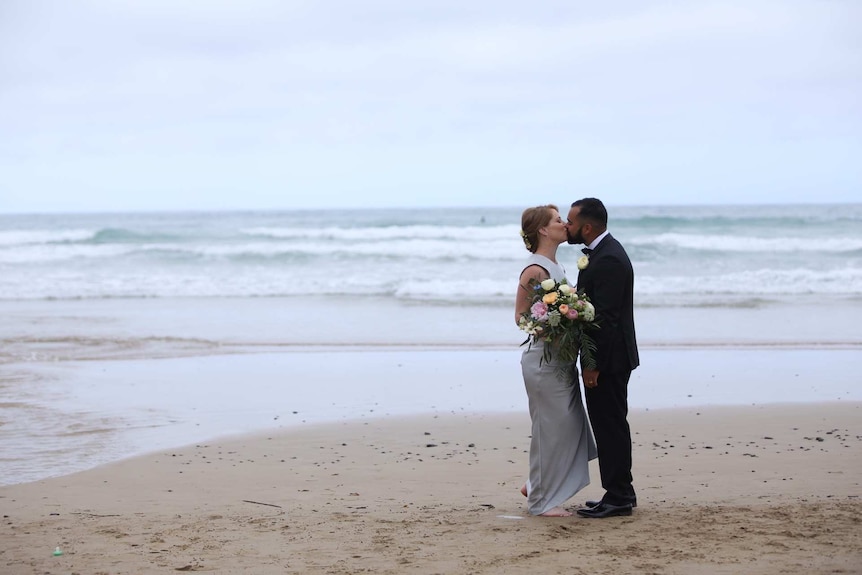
(562, 441)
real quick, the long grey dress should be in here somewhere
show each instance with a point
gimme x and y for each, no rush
(562, 444)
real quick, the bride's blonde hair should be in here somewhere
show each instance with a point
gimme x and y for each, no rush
(533, 220)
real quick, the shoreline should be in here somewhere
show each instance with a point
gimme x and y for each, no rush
(219, 324)
(765, 489)
(67, 416)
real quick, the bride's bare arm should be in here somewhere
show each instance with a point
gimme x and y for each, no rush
(525, 290)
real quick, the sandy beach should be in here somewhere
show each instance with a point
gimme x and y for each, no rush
(761, 489)
(196, 436)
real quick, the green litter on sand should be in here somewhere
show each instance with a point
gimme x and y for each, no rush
(58, 552)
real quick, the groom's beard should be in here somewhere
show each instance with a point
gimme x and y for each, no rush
(575, 238)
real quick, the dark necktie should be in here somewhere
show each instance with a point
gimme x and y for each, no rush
(587, 251)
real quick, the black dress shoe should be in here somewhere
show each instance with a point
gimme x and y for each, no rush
(606, 510)
(592, 504)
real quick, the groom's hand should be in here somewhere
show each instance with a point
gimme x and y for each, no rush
(590, 377)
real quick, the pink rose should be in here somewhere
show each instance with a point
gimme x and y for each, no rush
(572, 313)
(539, 311)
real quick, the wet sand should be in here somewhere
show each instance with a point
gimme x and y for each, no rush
(401, 449)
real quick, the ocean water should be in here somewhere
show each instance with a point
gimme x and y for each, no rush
(692, 256)
(127, 333)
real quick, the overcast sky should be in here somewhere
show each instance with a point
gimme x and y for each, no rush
(255, 104)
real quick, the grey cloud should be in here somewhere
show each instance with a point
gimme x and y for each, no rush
(282, 89)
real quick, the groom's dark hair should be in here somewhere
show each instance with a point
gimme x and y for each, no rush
(592, 210)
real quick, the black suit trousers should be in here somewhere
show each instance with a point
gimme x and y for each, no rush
(607, 404)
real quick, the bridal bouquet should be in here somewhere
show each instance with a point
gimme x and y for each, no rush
(561, 317)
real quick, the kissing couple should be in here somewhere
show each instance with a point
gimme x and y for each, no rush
(563, 439)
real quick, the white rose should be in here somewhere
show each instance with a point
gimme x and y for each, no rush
(589, 312)
(583, 262)
(565, 289)
(548, 284)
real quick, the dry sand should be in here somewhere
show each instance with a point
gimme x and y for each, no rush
(760, 489)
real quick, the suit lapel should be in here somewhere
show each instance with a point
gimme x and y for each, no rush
(584, 275)
(606, 241)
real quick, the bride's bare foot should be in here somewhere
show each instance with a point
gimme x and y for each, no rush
(524, 490)
(556, 512)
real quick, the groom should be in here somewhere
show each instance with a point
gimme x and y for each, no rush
(608, 280)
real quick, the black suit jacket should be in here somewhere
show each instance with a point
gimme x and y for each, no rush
(609, 280)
